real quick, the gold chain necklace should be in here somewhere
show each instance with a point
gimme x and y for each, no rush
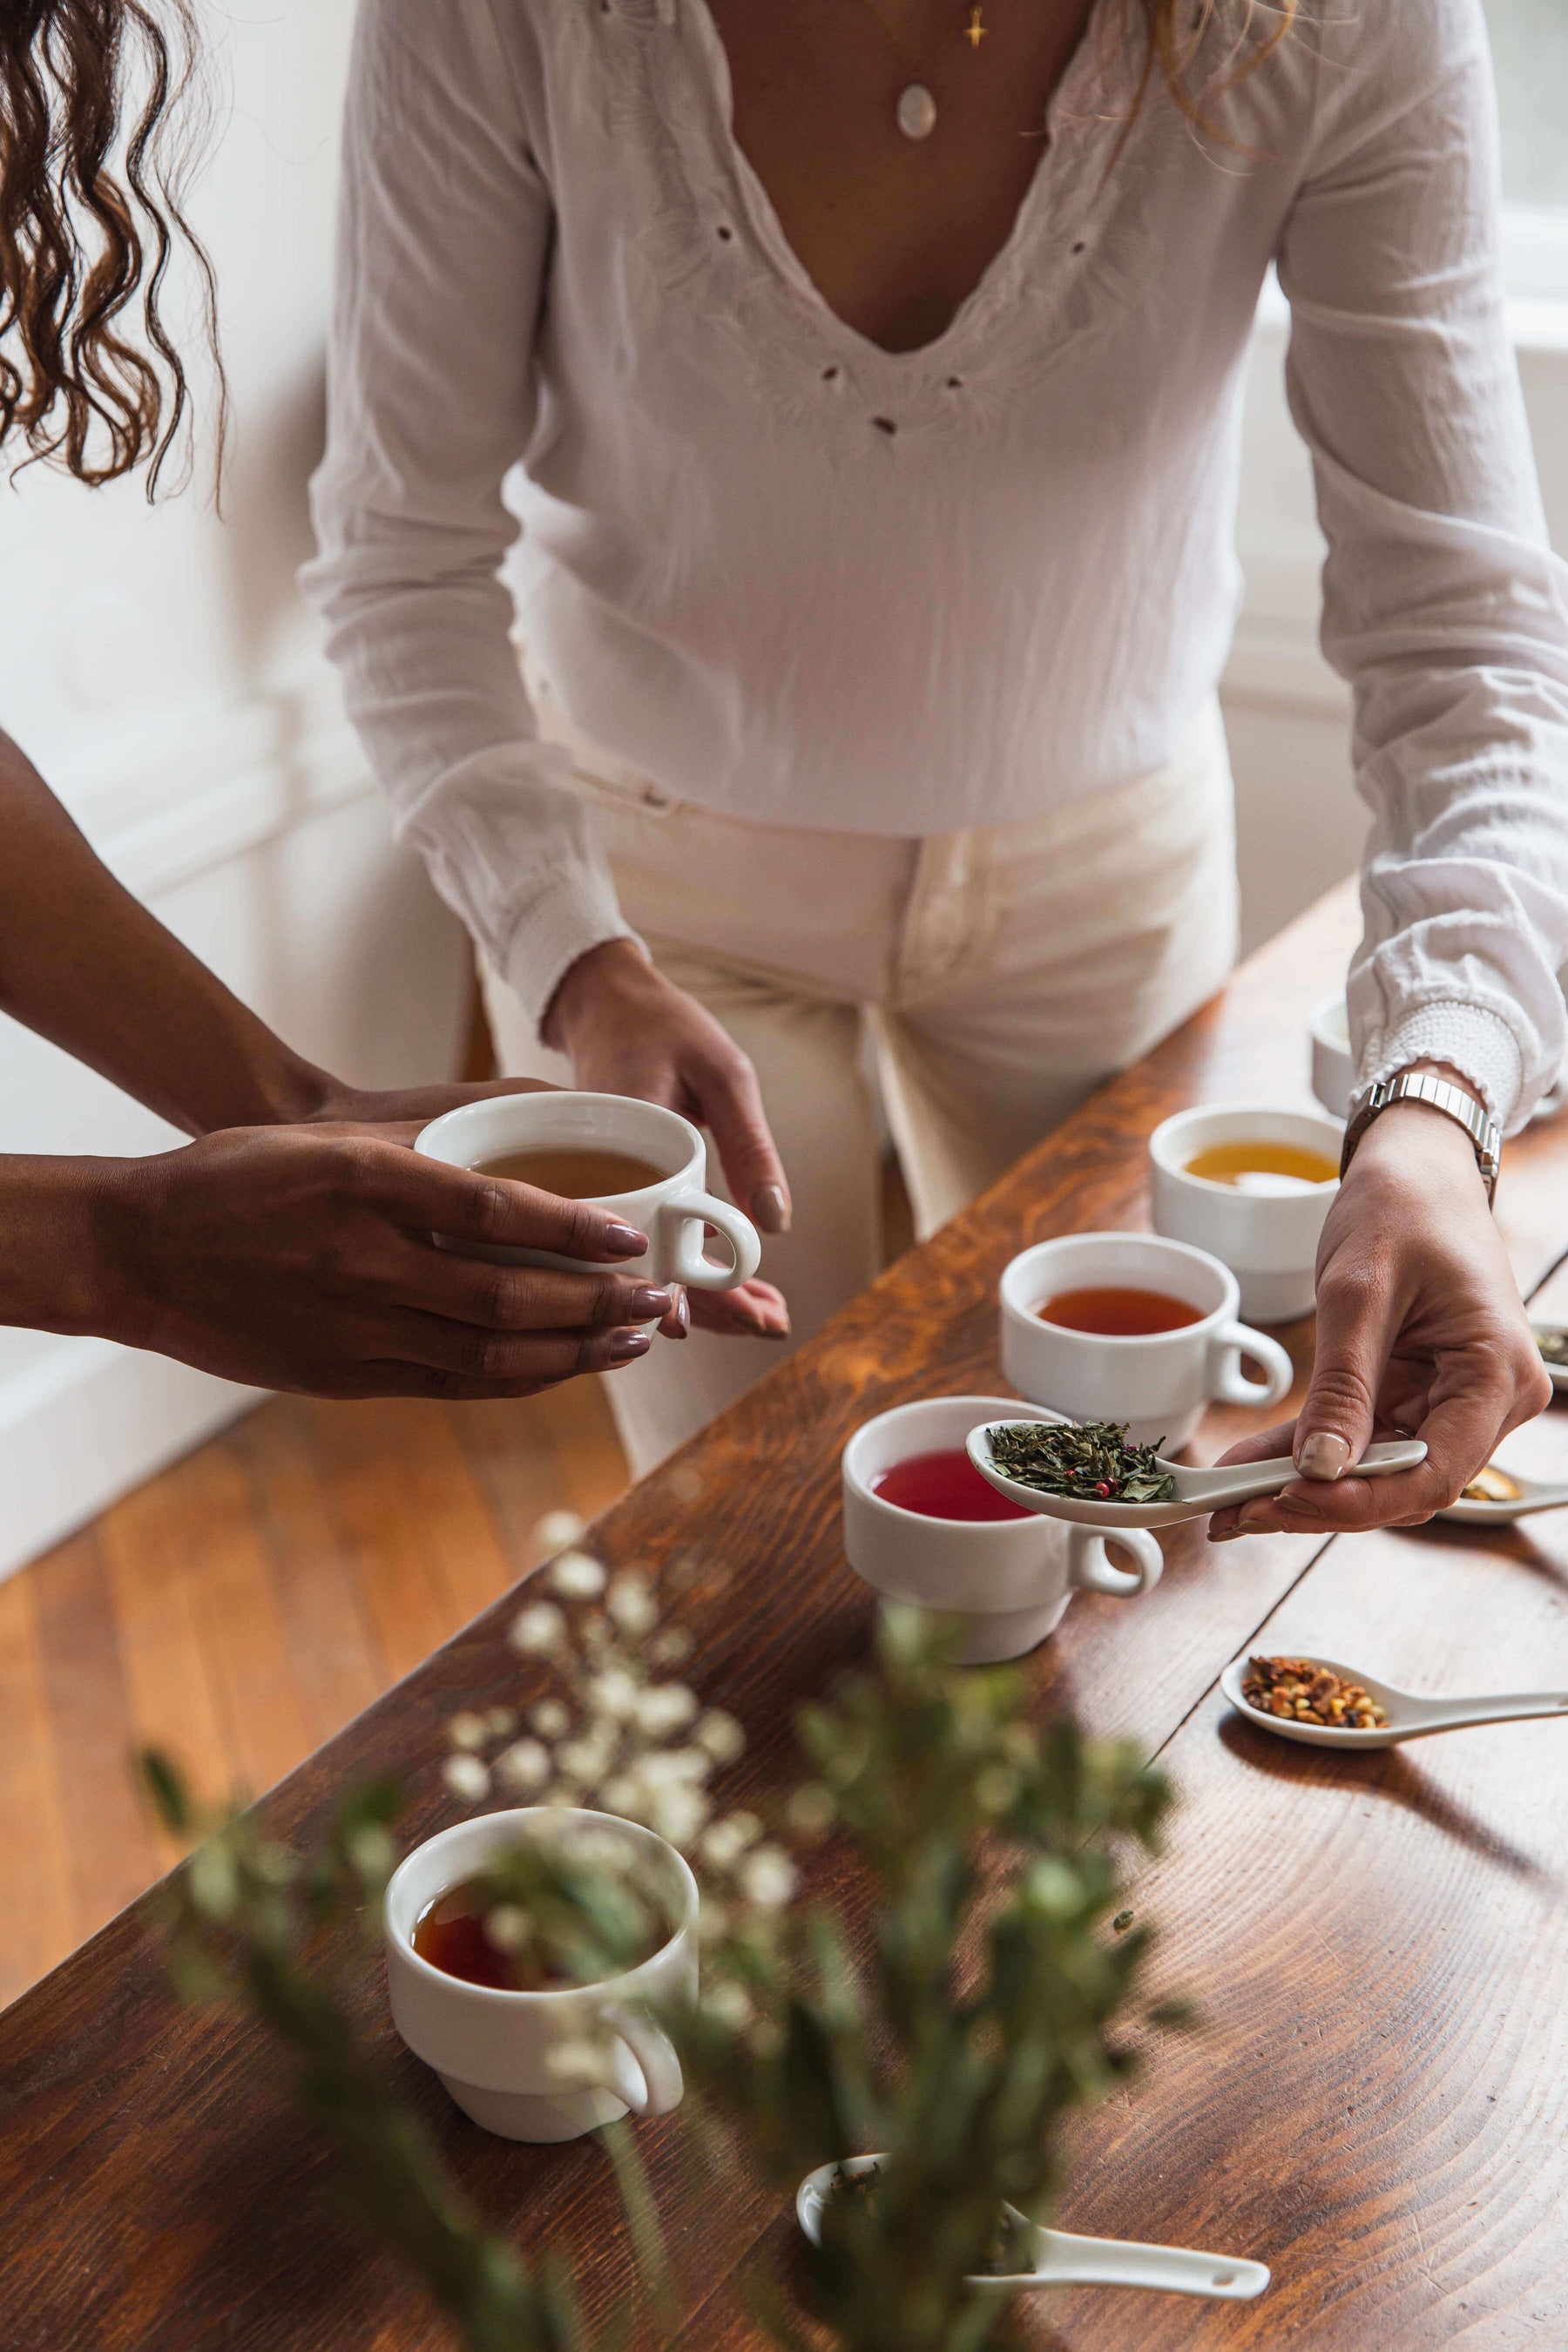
(916, 111)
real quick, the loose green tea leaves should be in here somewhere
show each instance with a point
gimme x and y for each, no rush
(1010, 2251)
(1091, 1461)
(1554, 1347)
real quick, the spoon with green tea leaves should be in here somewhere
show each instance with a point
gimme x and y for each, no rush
(1028, 2256)
(1086, 1471)
(1296, 1698)
(1552, 1341)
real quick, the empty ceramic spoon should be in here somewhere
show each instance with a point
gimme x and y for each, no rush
(1499, 1507)
(1062, 2260)
(1556, 1337)
(1198, 1492)
(1409, 1717)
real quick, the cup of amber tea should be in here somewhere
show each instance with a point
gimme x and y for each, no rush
(508, 2040)
(920, 1524)
(1130, 1327)
(647, 1164)
(1252, 1184)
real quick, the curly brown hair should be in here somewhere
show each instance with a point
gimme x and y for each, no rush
(95, 140)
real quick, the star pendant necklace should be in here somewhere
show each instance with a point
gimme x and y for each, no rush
(916, 110)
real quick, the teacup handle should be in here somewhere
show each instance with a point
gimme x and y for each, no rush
(692, 1267)
(1090, 1569)
(1230, 1384)
(653, 2083)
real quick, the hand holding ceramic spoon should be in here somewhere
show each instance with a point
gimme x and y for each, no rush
(1420, 1330)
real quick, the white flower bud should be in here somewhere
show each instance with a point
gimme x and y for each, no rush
(466, 1730)
(467, 1778)
(685, 1484)
(507, 1927)
(537, 1629)
(719, 1736)
(585, 2063)
(551, 1719)
(502, 1722)
(614, 1694)
(559, 1530)
(677, 1814)
(727, 1841)
(769, 1878)
(729, 2005)
(577, 1576)
(631, 1605)
(665, 1708)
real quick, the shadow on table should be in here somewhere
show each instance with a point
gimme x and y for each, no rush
(1514, 1545)
(1381, 1773)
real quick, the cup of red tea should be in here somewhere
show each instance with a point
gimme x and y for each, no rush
(920, 1524)
(492, 2045)
(1251, 1183)
(1131, 1327)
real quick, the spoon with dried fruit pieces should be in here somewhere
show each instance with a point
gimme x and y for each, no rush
(1057, 2258)
(1183, 1493)
(1295, 1698)
(1495, 1498)
(1552, 1339)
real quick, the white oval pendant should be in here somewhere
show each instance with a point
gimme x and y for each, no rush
(917, 112)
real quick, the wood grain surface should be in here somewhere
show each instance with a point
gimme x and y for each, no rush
(1371, 2106)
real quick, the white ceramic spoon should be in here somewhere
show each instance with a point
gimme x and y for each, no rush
(1409, 1717)
(1534, 1495)
(1198, 1492)
(1556, 1373)
(1062, 2260)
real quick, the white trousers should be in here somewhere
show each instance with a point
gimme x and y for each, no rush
(980, 983)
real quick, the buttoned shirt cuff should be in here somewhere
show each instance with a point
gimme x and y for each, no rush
(1475, 1042)
(573, 910)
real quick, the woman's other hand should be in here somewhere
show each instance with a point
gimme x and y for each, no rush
(290, 1257)
(1420, 1329)
(628, 1030)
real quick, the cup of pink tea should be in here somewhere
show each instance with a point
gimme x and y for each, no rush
(922, 1526)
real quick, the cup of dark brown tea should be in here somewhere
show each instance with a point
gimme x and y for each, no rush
(920, 1524)
(1130, 1327)
(1252, 1184)
(647, 1165)
(457, 2004)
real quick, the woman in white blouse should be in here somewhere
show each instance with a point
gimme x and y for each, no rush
(865, 377)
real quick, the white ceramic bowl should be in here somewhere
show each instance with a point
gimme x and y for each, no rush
(492, 2048)
(1010, 1579)
(1268, 1239)
(1157, 1382)
(1334, 1072)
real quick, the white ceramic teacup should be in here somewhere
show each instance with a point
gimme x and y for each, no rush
(492, 2048)
(1011, 1579)
(671, 1212)
(1334, 1072)
(1158, 1382)
(1268, 1239)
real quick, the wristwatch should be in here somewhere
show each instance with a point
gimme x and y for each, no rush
(1412, 1085)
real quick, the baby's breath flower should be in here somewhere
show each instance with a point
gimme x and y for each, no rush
(729, 2005)
(810, 1808)
(727, 1841)
(468, 1730)
(524, 1766)
(678, 1812)
(624, 1794)
(673, 1767)
(614, 1694)
(769, 1878)
(551, 1719)
(672, 1647)
(719, 1736)
(502, 1722)
(586, 1759)
(685, 1484)
(537, 1629)
(559, 1530)
(467, 1778)
(507, 1927)
(666, 1708)
(631, 1605)
(584, 2062)
(577, 1576)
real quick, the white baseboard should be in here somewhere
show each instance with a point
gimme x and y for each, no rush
(88, 1422)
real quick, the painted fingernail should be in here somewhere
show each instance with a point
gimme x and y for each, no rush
(1225, 1535)
(625, 1240)
(624, 1345)
(1323, 1455)
(648, 1306)
(769, 1210)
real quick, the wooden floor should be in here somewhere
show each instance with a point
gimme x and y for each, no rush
(241, 1607)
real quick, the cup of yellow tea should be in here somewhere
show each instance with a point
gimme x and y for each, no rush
(1252, 1184)
(645, 1163)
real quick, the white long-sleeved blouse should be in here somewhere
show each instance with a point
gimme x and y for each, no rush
(792, 577)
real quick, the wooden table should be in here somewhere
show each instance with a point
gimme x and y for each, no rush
(1374, 2103)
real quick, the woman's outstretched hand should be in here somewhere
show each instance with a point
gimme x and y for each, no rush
(628, 1030)
(1420, 1329)
(298, 1257)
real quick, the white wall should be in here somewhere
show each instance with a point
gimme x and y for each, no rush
(158, 666)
